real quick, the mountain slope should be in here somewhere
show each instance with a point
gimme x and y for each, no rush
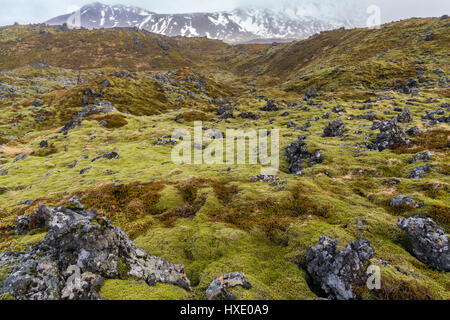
(237, 26)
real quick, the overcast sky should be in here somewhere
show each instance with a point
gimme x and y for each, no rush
(31, 11)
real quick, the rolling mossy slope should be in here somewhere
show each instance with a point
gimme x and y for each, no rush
(216, 218)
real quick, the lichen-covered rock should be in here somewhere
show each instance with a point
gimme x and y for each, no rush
(390, 136)
(35, 278)
(334, 129)
(217, 288)
(89, 242)
(336, 273)
(429, 242)
(405, 201)
(419, 172)
(297, 152)
(82, 286)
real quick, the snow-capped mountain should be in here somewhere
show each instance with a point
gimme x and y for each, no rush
(286, 22)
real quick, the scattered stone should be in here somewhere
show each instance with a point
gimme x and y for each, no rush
(429, 242)
(43, 144)
(217, 288)
(83, 171)
(249, 115)
(72, 165)
(334, 129)
(109, 156)
(419, 172)
(405, 116)
(311, 93)
(105, 84)
(392, 182)
(425, 157)
(37, 103)
(3, 190)
(414, 131)
(101, 107)
(405, 201)
(336, 273)
(20, 157)
(270, 106)
(297, 152)
(225, 112)
(274, 181)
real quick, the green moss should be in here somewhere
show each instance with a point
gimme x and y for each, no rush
(139, 290)
(6, 296)
(23, 243)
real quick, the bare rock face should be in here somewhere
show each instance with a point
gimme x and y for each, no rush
(390, 136)
(217, 288)
(335, 273)
(79, 250)
(429, 242)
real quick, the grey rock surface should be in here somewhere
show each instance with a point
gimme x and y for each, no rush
(80, 239)
(429, 242)
(336, 273)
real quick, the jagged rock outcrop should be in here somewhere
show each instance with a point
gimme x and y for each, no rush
(297, 152)
(79, 250)
(90, 109)
(217, 288)
(335, 274)
(405, 201)
(390, 136)
(334, 129)
(429, 242)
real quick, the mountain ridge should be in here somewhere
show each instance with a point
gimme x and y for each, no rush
(241, 25)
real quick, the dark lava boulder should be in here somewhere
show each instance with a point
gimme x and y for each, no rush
(270, 106)
(80, 249)
(414, 131)
(297, 152)
(334, 129)
(390, 136)
(311, 93)
(405, 116)
(335, 274)
(429, 242)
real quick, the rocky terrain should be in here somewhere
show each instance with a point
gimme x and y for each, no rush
(92, 206)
